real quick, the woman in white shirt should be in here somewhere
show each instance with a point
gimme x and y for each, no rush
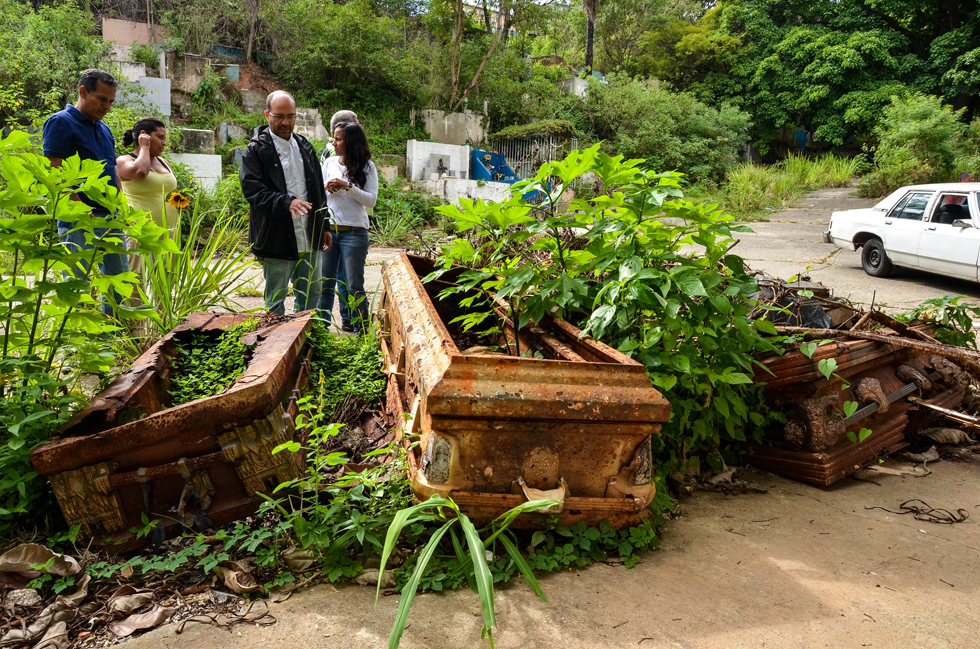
(351, 181)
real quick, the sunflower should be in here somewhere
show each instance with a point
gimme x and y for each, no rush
(178, 200)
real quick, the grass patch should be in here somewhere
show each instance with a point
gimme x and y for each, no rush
(752, 190)
(347, 366)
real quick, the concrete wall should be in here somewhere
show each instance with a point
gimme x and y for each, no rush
(452, 189)
(419, 156)
(157, 92)
(309, 124)
(197, 140)
(455, 128)
(206, 168)
(575, 86)
(127, 32)
(186, 70)
(132, 71)
(253, 101)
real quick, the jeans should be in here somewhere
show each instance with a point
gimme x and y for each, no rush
(343, 297)
(305, 276)
(348, 252)
(112, 264)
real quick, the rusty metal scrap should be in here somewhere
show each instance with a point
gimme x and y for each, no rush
(894, 377)
(200, 463)
(494, 426)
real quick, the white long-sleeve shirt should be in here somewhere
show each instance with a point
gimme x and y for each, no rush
(295, 173)
(350, 206)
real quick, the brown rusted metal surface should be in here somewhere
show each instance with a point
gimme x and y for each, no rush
(813, 445)
(198, 463)
(491, 425)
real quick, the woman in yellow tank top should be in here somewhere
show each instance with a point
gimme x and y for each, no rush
(146, 178)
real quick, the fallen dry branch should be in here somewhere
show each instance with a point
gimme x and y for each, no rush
(968, 358)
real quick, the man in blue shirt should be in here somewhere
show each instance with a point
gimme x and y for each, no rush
(80, 129)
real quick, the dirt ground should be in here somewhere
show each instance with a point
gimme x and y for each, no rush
(794, 567)
(797, 566)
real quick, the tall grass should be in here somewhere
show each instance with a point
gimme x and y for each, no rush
(752, 187)
(205, 274)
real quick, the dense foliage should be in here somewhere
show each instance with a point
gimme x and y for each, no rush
(348, 366)
(52, 330)
(830, 66)
(44, 51)
(208, 362)
(919, 141)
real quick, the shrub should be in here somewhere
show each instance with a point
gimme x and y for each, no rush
(343, 55)
(919, 140)
(44, 53)
(970, 159)
(672, 131)
(53, 331)
(144, 54)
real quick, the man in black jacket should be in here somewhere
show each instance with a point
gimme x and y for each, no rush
(283, 184)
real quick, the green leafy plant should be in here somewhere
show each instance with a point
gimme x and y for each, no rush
(207, 364)
(638, 267)
(145, 54)
(919, 140)
(349, 366)
(53, 332)
(472, 561)
(861, 435)
(952, 316)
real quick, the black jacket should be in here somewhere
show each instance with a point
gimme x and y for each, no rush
(270, 226)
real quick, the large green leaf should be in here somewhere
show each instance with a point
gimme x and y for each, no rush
(408, 592)
(481, 573)
(401, 519)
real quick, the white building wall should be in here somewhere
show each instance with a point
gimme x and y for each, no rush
(206, 168)
(419, 155)
(452, 189)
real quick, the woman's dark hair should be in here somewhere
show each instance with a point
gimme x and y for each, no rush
(148, 124)
(356, 153)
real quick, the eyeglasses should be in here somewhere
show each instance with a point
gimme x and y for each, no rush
(287, 118)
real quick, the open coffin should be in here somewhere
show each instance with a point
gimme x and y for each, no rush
(496, 429)
(191, 466)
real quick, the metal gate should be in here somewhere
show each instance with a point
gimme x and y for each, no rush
(526, 155)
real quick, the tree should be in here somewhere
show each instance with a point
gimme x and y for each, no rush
(253, 7)
(590, 7)
(833, 65)
(510, 12)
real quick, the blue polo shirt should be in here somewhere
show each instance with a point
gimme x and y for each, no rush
(68, 132)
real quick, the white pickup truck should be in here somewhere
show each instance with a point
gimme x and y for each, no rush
(928, 227)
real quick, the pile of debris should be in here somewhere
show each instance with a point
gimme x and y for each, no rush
(857, 385)
(89, 611)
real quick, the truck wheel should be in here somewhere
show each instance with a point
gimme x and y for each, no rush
(874, 259)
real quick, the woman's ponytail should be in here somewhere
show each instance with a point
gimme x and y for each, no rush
(144, 125)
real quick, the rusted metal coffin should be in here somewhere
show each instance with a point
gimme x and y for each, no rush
(197, 464)
(813, 446)
(494, 427)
